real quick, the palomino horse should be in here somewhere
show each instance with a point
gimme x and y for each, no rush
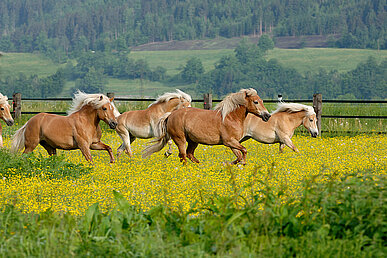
(5, 114)
(224, 125)
(280, 128)
(79, 130)
(141, 123)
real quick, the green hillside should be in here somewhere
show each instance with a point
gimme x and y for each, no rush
(303, 60)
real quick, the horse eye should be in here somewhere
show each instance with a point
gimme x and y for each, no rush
(104, 108)
(311, 120)
(2, 108)
(255, 102)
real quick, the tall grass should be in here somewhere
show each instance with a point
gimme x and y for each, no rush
(339, 217)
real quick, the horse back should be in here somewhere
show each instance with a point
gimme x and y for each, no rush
(54, 129)
(199, 125)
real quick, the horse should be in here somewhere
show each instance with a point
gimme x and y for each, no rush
(280, 128)
(80, 129)
(141, 123)
(5, 114)
(222, 126)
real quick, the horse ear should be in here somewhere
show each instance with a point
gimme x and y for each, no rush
(101, 98)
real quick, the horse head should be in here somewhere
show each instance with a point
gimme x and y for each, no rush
(310, 123)
(175, 100)
(107, 113)
(5, 113)
(254, 105)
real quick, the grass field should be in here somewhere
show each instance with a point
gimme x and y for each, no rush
(308, 59)
(327, 200)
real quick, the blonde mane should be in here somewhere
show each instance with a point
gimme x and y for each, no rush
(81, 99)
(171, 95)
(3, 100)
(233, 101)
(294, 107)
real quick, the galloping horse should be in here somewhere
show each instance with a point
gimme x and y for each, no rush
(5, 114)
(224, 125)
(79, 130)
(280, 128)
(142, 123)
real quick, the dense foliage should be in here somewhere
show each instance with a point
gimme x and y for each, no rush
(248, 68)
(58, 28)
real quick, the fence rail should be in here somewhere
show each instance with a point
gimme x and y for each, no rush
(207, 104)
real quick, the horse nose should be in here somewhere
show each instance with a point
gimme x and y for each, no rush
(10, 122)
(314, 134)
(113, 125)
(266, 116)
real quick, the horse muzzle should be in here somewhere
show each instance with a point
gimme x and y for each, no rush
(265, 116)
(9, 122)
(313, 134)
(112, 125)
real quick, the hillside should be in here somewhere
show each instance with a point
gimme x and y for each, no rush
(286, 42)
(63, 28)
(303, 60)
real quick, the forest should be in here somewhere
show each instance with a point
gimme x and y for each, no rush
(65, 28)
(93, 38)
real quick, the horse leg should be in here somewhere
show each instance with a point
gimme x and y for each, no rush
(126, 139)
(1, 136)
(290, 144)
(85, 149)
(281, 147)
(102, 146)
(51, 151)
(238, 150)
(191, 149)
(169, 151)
(30, 144)
(180, 142)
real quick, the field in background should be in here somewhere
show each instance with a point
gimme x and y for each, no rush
(308, 59)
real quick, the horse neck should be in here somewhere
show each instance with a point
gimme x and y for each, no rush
(239, 114)
(164, 107)
(296, 118)
(171, 105)
(90, 113)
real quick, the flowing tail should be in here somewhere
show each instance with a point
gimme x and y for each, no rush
(18, 139)
(161, 140)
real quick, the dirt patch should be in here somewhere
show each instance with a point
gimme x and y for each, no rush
(313, 41)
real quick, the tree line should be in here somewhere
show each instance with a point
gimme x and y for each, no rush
(246, 67)
(65, 28)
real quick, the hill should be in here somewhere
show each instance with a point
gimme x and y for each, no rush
(303, 60)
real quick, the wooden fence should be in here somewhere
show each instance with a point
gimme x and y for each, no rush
(207, 104)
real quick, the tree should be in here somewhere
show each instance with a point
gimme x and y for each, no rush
(265, 43)
(93, 82)
(193, 70)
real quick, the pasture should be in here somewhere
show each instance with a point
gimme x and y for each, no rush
(147, 183)
(278, 204)
(303, 60)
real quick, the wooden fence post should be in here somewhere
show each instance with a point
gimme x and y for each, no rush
(207, 101)
(110, 95)
(317, 106)
(16, 104)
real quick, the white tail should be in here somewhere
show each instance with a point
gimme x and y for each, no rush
(18, 139)
(161, 140)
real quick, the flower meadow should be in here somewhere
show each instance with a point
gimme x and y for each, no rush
(147, 183)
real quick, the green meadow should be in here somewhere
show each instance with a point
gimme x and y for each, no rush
(303, 60)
